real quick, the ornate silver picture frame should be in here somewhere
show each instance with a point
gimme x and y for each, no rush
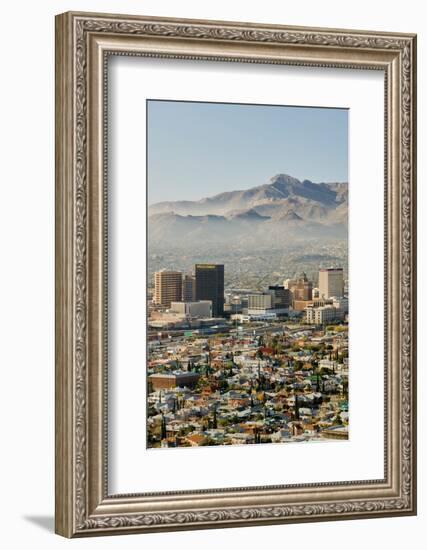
(84, 42)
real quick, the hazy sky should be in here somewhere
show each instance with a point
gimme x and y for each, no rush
(201, 149)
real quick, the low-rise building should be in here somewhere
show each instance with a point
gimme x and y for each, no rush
(201, 309)
(323, 314)
(336, 432)
(171, 380)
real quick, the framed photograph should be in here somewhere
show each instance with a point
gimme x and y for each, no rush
(235, 274)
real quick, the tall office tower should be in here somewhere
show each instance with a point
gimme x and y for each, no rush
(167, 287)
(210, 286)
(281, 296)
(331, 282)
(188, 288)
(301, 288)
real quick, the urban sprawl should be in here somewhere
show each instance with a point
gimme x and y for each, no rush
(238, 366)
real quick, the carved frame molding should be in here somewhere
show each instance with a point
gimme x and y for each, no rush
(83, 42)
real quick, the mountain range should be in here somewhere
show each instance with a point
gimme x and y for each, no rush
(285, 207)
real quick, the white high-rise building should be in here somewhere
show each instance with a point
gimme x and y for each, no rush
(331, 282)
(260, 301)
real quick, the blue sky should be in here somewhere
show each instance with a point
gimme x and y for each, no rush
(201, 149)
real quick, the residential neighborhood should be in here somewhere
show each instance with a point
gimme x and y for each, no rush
(248, 375)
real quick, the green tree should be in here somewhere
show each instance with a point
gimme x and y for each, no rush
(163, 427)
(296, 407)
(214, 421)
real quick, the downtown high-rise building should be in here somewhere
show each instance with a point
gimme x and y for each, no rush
(301, 288)
(167, 287)
(261, 301)
(281, 296)
(188, 288)
(210, 286)
(331, 282)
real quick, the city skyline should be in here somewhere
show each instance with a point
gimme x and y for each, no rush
(252, 142)
(271, 367)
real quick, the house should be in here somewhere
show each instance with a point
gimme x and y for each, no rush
(195, 440)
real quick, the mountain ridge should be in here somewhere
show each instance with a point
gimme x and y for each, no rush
(281, 188)
(286, 207)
